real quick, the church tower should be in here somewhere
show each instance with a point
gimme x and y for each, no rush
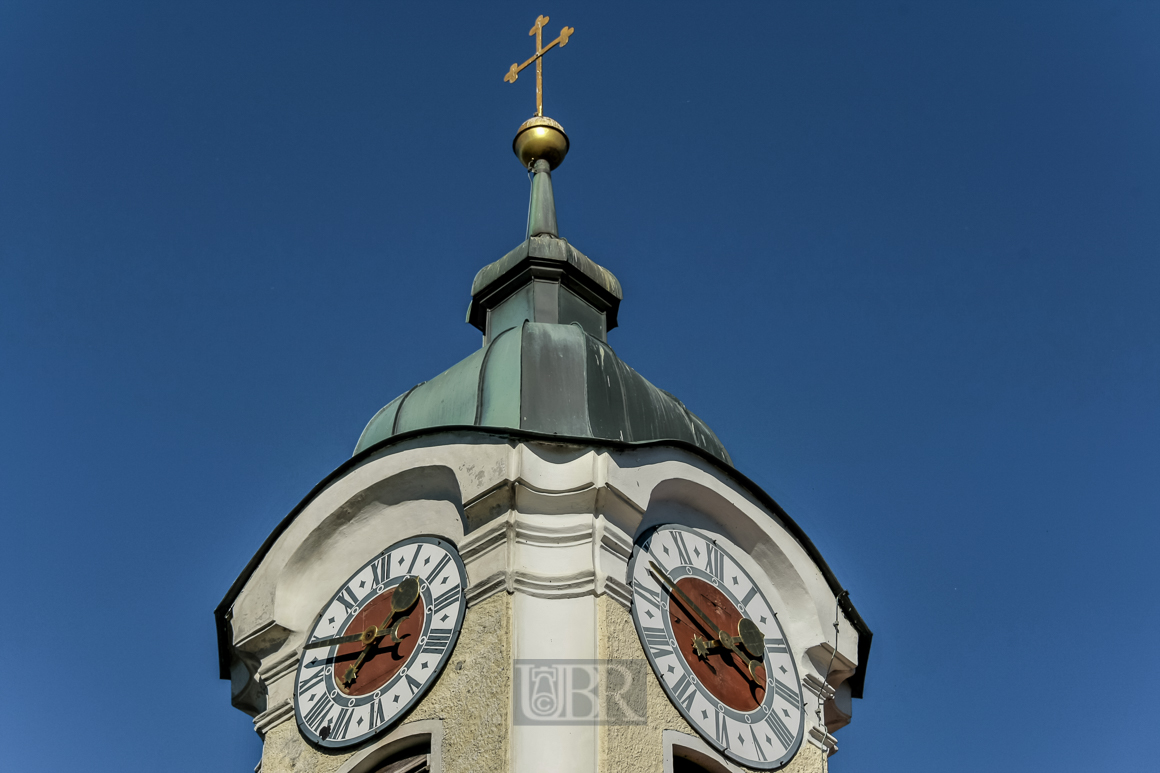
(538, 561)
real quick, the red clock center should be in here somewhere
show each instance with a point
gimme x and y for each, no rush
(385, 656)
(722, 672)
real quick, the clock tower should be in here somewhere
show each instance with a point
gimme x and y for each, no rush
(539, 561)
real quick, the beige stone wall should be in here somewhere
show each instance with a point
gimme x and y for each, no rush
(639, 748)
(472, 698)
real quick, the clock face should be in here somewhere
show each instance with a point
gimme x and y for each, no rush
(716, 646)
(380, 643)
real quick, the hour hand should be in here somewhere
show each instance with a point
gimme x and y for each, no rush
(703, 646)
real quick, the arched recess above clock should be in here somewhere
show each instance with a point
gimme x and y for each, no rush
(757, 537)
(421, 500)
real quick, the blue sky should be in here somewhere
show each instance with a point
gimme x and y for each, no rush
(902, 257)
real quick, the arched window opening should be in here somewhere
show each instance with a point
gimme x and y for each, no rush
(416, 759)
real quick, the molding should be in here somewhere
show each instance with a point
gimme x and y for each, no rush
(273, 716)
(278, 668)
(676, 744)
(822, 691)
(487, 588)
(268, 636)
(823, 740)
(405, 735)
(825, 656)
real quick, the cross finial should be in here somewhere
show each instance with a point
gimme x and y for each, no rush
(514, 72)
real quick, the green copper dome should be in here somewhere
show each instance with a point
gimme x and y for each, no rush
(547, 378)
(545, 366)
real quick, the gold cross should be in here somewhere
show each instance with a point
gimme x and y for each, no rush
(513, 73)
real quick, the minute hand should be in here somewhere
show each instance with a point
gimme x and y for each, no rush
(335, 640)
(713, 629)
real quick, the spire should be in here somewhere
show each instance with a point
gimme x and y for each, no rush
(542, 206)
(545, 280)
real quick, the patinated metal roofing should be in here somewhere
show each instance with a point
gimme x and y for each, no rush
(545, 378)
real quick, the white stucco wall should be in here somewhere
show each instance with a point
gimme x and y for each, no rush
(545, 532)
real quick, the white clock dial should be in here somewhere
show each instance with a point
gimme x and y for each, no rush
(734, 681)
(380, 643)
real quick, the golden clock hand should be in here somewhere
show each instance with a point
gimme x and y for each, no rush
(703, 647)
(352, 669)
(751, 636)
(364, 637)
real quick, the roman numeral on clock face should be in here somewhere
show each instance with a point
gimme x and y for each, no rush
(720, 729)
(776, 647)
(647, 594)
(657, 640)
(715, 561)
(414, 558)
(757, 744)
(377, 717)
(437, 641)
(381, 569)
(685, 692)
(438, 567)
(413, 683)
(347, 593)
(446, 599)
(682, 548)
(318, 712)
(749, 596)
(787, 693)
(780, 730)
(315, 679)
(342, 724)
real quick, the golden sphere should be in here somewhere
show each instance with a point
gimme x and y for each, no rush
(540, 137)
